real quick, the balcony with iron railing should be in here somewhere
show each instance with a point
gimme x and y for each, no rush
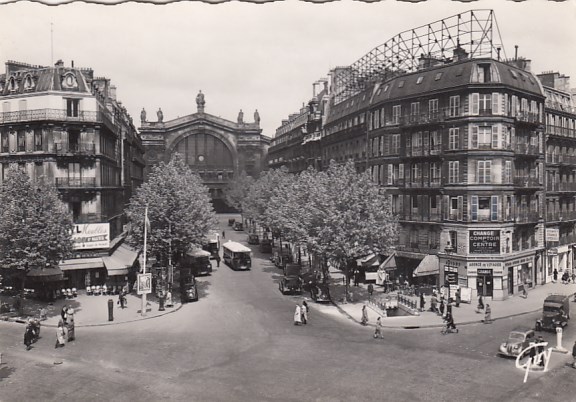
(527, 117)
(560, 131)
(527, 217)
(82, 148)
(426, 182)
(562, 107)
(561, 216)
(75, 182)
(560, 159)
(422, 119)
(526, 149)
(560, 187)
(526, 182)
(418, 151)
(62, 115)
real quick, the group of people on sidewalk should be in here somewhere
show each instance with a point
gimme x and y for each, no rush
(301, 314)
(65, 331)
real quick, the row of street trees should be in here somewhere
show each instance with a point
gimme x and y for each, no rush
(338, 215)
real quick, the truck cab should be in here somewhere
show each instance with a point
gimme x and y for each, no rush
(555, 313)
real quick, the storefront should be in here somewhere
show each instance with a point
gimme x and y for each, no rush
(487, 279)
(521, 274)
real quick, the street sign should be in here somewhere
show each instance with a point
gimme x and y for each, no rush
(552, 235)
(144, 284)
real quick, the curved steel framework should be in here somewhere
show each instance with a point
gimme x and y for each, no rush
(475, 31)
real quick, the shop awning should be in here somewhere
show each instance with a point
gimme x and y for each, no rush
(389, 263)
(81, 263)
(45, 274)
(430, 265)
(120, 261)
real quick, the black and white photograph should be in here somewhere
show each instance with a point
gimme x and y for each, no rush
(324, 201)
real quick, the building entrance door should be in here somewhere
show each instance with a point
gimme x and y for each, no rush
(485, 285)
(510, 280)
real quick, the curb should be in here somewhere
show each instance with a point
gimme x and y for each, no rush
(428, 326)
(173, 310)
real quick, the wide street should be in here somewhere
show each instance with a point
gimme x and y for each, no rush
(238, 343)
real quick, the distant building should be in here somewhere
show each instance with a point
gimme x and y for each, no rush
(64, 124)
(560, 217)
(215, 148)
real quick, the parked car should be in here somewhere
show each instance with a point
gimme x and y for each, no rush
(266, 246)
(291, 282)
(518, 340)
(231, 221)
(238, 226)
(253, 238)
(555, 313)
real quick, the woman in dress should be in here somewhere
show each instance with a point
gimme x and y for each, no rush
(298, 315)
(60, 335)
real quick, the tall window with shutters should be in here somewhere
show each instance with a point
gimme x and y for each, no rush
(453, 172)
(453, 138)
(454, 106)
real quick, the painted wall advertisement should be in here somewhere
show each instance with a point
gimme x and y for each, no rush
(88, 236)
(484, 242)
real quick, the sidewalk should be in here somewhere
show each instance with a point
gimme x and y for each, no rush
(92, 310)
(465, 314)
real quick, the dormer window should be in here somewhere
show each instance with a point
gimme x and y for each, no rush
(514, 74)
(69, 81)
(12, 85)
(28, 83)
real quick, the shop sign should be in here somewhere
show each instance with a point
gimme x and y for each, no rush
(484, 241)
(477, 266)
(519, 261)
(553, 251)
(91, 236)
(484, 271)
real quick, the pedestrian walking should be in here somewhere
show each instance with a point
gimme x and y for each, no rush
(441, 306)
(304, 312)
(223, 234)
(433, 302)
(218, 260)
(63, 312)
(532, 353)
(541, 350)
(488, 315)
(121, 299)
(458, 297)
(574, 355)
(60, 335)
(70, 333)
(298, 315)
(364, 320)
(356, 276)
(480, 304)
(422, 302)
(378, 330)
(305, 306)
(169, 302)
(555, 274)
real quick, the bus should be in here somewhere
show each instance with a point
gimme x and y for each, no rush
(236, 255)
(213, 245)
(198, 261)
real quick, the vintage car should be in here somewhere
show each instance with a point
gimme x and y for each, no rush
(231, 221)
(238, 226)
(266, 246)
(253, 238)
(188, 289)
(555, 313)
(291, 282)
(518, 340)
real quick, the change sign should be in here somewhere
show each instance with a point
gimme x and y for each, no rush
(484, 241)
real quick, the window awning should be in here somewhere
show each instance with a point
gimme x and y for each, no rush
(430, 265)
(81, 263)
(120, 260)
(45, 274)
(368, 261)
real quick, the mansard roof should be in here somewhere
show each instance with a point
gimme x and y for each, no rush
(435, 80)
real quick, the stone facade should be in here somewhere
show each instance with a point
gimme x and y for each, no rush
(216, 148)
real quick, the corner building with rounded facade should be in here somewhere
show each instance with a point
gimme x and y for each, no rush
(458, 147)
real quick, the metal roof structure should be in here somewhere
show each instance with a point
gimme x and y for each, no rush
(475, 32)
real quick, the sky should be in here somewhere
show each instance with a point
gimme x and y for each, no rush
(252, 56)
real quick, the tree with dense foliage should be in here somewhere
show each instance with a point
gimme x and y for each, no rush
(35, 225)
(179, 210)
(236, 191)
